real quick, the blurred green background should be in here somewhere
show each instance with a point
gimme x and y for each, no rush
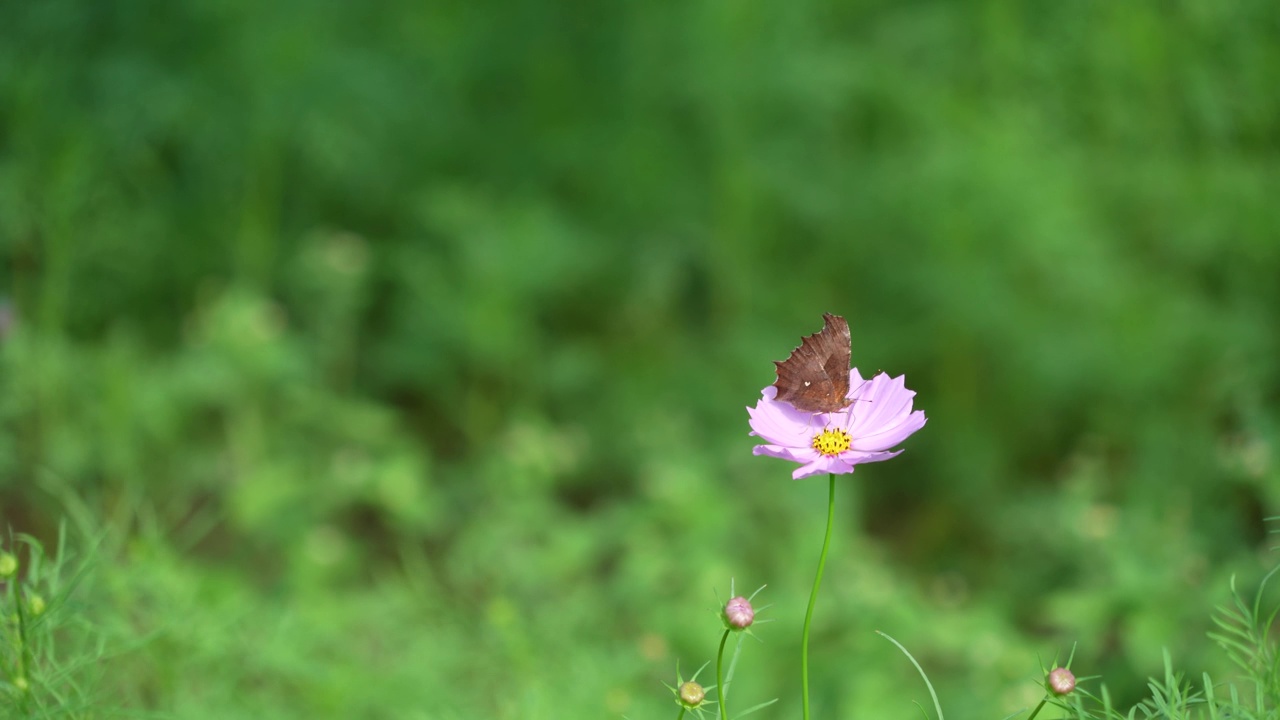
(390, 359)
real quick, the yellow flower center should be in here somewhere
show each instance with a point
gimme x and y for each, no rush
(832, 442)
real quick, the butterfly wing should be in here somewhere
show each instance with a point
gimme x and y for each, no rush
(815, 378)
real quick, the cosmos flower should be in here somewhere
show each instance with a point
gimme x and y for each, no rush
(878, 418)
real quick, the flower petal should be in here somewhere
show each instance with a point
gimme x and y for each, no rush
(781, 424)
(822, 465)
(882, 402)
(890, 436)
(801, 455)
(857, 457)
(855, 383)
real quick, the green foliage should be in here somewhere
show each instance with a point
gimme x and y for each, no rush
(49, 646)
(1248, 638)
(397, 352)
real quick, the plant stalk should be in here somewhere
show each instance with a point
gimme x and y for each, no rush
(813, 596)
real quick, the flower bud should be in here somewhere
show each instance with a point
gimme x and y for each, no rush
(738, 613)
(37, 605)
(1061, 681)
(8, 565)
(692, 694)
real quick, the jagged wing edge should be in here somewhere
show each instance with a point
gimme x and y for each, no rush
(812, 348)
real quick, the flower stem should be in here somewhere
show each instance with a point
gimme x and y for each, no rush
(724, 711)
(682, 710)
(813, 597)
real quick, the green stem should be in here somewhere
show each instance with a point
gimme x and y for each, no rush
(724, 711)
(813, 597)
(24, 658)
(682, 709)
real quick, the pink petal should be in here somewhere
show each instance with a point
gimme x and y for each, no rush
(883, 402)
(821, 466)
(892, 435)
(855, 383)
(801, 455)
(781, 424)
(857, 457)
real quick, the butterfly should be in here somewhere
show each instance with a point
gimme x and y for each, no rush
(815, 378)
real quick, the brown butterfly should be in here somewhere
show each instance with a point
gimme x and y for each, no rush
(816, 376)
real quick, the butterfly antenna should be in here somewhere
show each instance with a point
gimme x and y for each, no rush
(856, 400)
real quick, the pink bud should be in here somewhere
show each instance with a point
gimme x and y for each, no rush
(1061, 681)
(739, 614)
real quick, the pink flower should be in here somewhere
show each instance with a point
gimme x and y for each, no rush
(879, 417)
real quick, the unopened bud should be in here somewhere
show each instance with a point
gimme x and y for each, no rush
(692, 694)
(37, 605)
(8, 565)
(1061, 681)
(738, 613)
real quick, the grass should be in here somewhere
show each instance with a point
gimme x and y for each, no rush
(390, 361)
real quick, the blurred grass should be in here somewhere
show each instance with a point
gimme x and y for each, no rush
(399, 352)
